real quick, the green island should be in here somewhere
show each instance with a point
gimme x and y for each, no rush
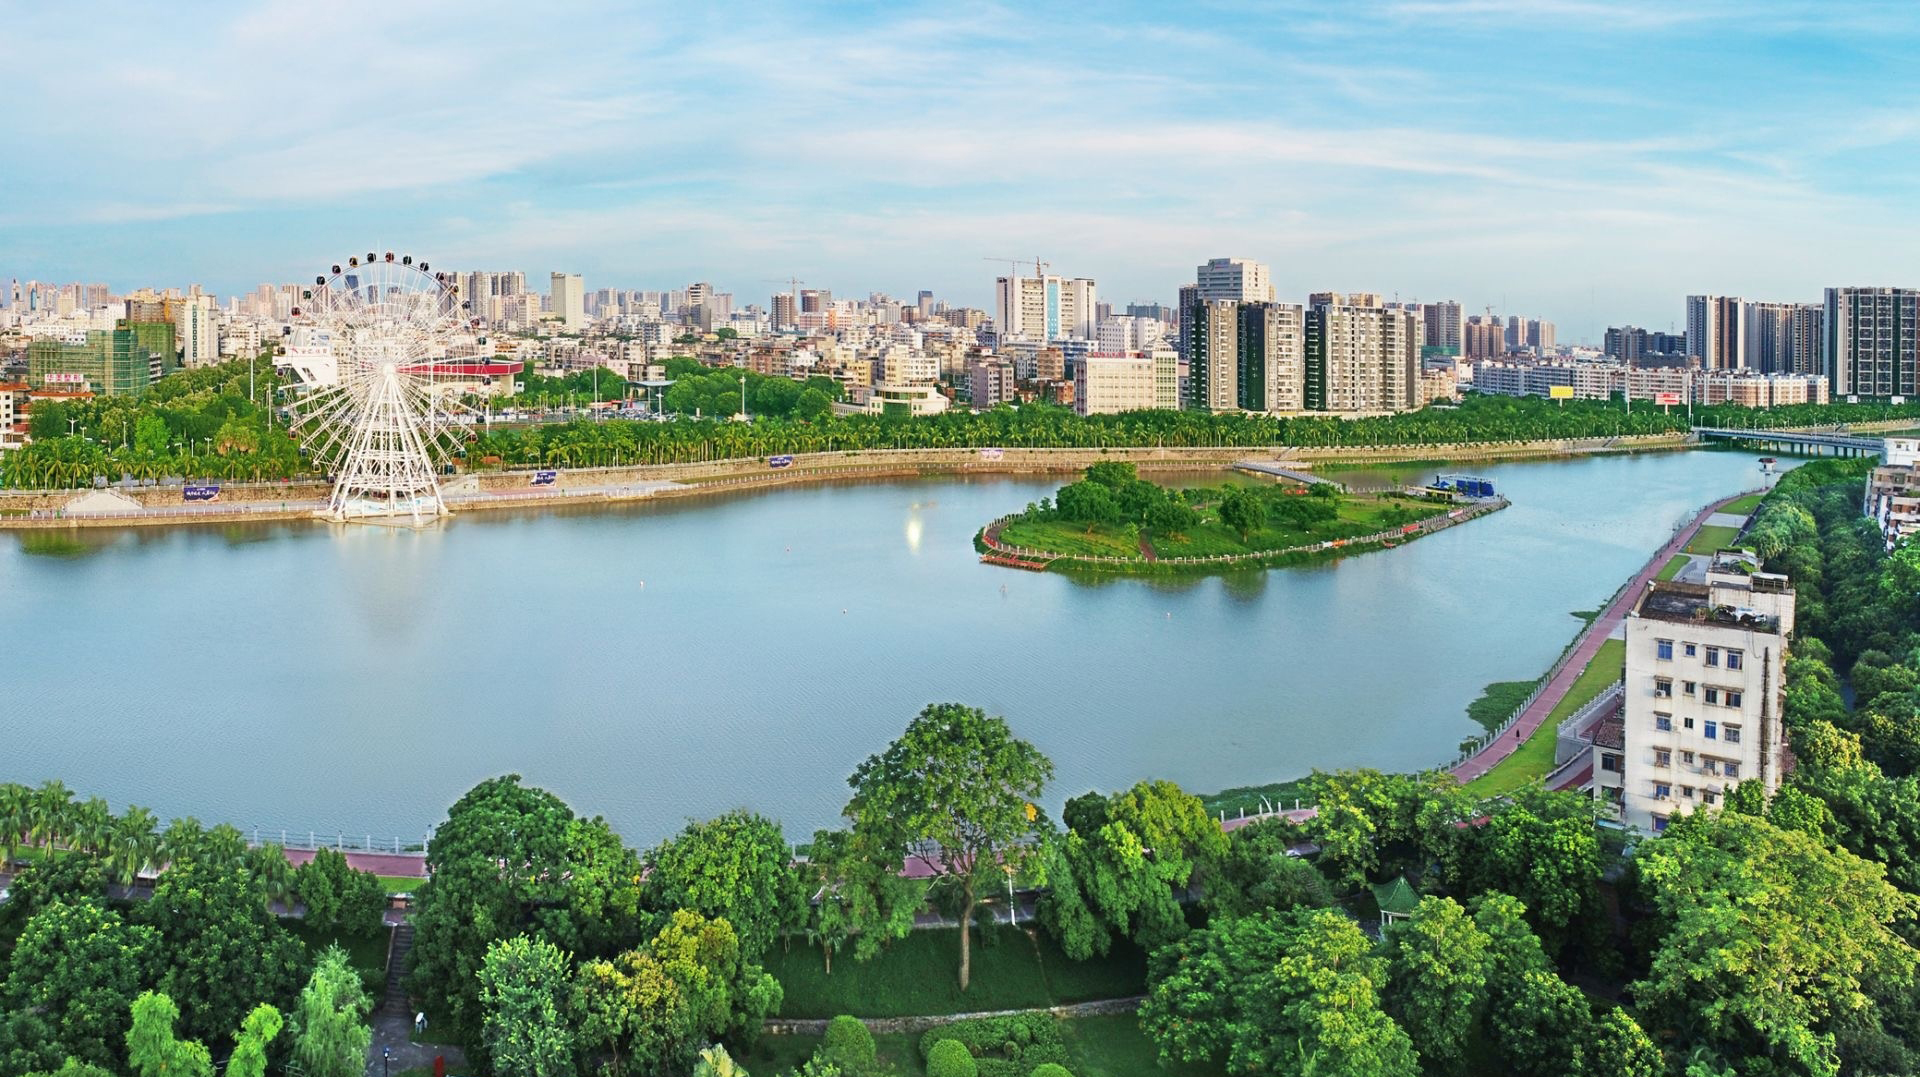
(1112, 520)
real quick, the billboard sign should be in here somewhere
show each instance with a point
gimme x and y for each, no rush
(780, 461)
(200, 493)
(1666, 399)
(65, 377)
(1560, 392)
(992, 454)
(545, 478)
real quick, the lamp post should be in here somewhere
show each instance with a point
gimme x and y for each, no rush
(743, 397)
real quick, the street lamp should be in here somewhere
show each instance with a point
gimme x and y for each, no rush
(743, 397)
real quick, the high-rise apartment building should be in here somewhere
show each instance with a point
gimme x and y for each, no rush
(785, 310)
(1540, 336)
(104, 362)
(1440, 326)
(1807, 339)
(1705, 676)
(991, 379)
(1483, 337)
(569, 297)
(1716, 330)
(1768, 337)
(196, 332)
(1213, 359)
(1044, 308)
(1873, 341)
(1108, 384)
(1247, 356)
(1361, 356)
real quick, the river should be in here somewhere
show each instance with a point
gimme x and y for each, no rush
(659, 663)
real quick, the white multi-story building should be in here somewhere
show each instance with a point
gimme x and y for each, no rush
(1705, 676)
(1893, 490)
(1873, 341)
(1043, 308)
(1717, 330)
(569, 296)
(1360, 355)
(1125, 333)
(1240, 279)
(1105, 384)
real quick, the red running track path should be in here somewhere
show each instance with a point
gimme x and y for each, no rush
(1588, 645)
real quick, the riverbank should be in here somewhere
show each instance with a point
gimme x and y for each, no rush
(483, 491)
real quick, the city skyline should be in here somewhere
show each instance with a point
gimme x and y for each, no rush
(1590, 164)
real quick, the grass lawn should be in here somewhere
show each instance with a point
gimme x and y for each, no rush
(1745, 505)
(1673, 567)
(401, 884)
(1096, 1047)
(918, 975)
(1535, 757)
(1357, 516)
(1709, 539)
(1059, 536)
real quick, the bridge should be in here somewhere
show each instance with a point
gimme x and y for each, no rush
(1837, 441)
(1279, 470)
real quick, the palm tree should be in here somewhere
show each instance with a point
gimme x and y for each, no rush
(134, 845)
(16, 818)
(90, 827)
(271, 869)
(52, 810)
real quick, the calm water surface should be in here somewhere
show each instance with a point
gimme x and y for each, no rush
(665, 662)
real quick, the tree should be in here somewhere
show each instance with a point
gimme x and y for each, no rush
(1619, 1047)
(523, 993)
(1242, 510)
(338, 899)
(153, 1050)
(330, 1023)
(1258, 874)
(716, 1062)
(1115, 869)
(1541, 1025)
(1285, 994)
(1542, 848)
(737, 868)
(1437, 979)
(250, 1046)
(959, 790)
(80, 966)
(221, 952)
(1766, 939)
(950, 1058)
(499, 860)
(73, 1067)
(1371, 824)
(74, 878)
(848, 1046)
(860, 899)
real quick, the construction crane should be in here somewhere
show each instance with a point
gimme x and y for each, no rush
(793, 284)
(1039, 267)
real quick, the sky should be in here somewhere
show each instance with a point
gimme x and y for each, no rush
(1589, 162)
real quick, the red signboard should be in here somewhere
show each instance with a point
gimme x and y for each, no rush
(1666, 398)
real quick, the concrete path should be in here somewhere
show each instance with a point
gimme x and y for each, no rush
(1611, 620)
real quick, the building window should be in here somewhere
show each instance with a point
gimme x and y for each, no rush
(1713, 695)
(1659, 823)
(1661, 790)
(1662, 688)
(1687, 791)
(1709, 796)
(1733, 659)
(1730, 768)
(1713, 730)
(1733, 698)
(1610, 761)
(1686, 723)
(1688, 649)
(1713, 656)
(1662, 757)
(1687, 758)
(1688, 687)
(1663, 723)
(1730, 734)
(1663, 649)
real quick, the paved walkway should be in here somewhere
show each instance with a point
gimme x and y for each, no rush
(1597, 633)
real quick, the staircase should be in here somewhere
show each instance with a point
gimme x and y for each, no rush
(397, 949)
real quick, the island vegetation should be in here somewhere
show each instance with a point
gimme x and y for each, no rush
(1126, 522)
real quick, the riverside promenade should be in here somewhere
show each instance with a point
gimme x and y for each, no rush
(1585, 647)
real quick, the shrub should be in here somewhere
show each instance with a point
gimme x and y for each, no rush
(848, 1046)
(949, 1058)
(1050, 1069)
(1002, 1046)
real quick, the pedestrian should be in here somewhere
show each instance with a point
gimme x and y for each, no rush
(1516, 734)
(419, 1023)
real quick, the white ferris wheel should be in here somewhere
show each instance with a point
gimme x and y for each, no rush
(390, 419)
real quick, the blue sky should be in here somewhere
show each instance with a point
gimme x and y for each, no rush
(1591, 162)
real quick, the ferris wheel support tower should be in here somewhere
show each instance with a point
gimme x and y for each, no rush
(383, 427)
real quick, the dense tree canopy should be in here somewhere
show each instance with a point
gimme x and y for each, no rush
(738, 868)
